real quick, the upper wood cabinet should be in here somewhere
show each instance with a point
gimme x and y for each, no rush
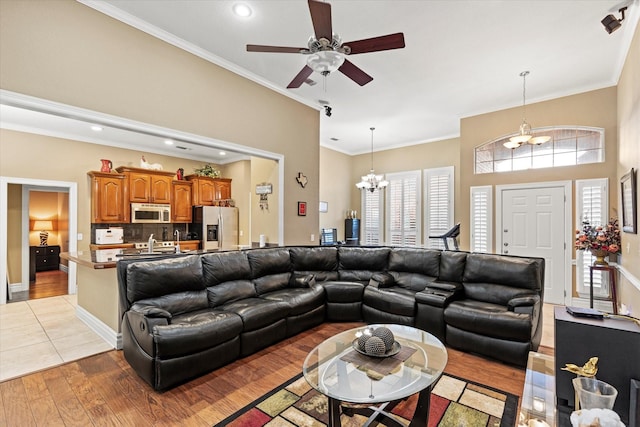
(182, 201)
(108, 203)
(222, 188)
(204, 190)
(148, 186)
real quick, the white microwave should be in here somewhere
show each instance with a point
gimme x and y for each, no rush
(150, 213)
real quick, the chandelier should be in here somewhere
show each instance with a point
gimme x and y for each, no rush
(371, 181)
(525, 136)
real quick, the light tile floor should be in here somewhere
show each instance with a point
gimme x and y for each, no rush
(42, 333)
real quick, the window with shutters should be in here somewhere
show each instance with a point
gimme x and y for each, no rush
(371, 224)
(591, 205)
(481, 219)
(438, 205)
(403, 208)
(575, 145)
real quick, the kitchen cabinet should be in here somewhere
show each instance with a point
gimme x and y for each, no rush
(181, 201)
(148, 186)
(204, 192)
(207, 191)
(108, 194)
(222, 188)
(43, 258)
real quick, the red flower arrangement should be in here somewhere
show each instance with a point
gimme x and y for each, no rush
(604, 238)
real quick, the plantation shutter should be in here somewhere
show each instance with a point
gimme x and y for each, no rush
(371, 217)
(438, 183)
(481, 219)
(403, 208)
(592, 205)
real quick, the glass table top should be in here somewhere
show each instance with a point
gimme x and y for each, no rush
(538, 396)
(358, 379)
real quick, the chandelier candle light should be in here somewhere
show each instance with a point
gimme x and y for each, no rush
(371, 181)
(525, 128)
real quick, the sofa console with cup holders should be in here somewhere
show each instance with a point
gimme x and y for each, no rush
(183, 316)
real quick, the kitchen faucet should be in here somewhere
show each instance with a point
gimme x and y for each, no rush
(150, 244)
(177, 233)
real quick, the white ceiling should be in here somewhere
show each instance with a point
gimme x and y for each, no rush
(462, 57)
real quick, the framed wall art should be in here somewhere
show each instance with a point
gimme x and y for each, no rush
(302, 208)
(628, 195)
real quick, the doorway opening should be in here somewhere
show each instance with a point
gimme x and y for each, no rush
(15, 231)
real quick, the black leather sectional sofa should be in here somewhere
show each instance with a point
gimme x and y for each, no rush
(187, 315)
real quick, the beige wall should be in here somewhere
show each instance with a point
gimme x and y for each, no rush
(44, 205)
(264, 221)
(336, 186)
(596, 108)
(629, 157)
(65, 160)
(416, 157)
(67, 52)
(14, 243)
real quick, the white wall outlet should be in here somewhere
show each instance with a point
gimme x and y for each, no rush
(80, 236)
(241, 233)
(313, 237)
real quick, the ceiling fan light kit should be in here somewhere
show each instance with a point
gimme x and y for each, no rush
(328, 53)
(524, 135)
(371, 181)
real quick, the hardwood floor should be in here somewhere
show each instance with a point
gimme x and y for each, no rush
(51, 283)
(104, 390)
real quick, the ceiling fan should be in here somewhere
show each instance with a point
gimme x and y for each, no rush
(326, 51)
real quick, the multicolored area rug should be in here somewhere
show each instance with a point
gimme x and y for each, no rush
(454, 402)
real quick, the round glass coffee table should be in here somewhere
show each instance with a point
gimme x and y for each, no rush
(337, 370)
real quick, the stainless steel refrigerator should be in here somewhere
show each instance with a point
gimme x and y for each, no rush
(216, 227)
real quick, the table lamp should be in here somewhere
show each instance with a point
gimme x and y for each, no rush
(45, 227)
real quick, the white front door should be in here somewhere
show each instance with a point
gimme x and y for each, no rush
(532, 223)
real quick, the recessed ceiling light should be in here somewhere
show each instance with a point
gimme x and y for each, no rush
(242, 10)
(96, 128)
(168, 141)
(223, 153)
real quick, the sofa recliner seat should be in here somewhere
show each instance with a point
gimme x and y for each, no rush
(184, 316)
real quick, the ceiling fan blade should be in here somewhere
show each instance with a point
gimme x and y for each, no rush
(274, 49)
(376, 44)
(321, 17)
(300, 78)
(354, 73)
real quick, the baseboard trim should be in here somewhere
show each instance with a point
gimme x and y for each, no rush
(18, 287)
(99, 327)
(64, 268)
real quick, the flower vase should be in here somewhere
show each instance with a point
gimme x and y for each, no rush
(599, 254)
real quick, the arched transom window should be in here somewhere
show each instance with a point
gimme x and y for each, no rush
(569, 145)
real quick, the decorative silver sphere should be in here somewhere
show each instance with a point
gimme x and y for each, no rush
(375, 346)
(386, 336)
(362, 339)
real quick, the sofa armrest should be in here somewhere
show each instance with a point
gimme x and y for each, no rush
(437, 297)
(382, 280)
(142, 319)
(446, 286)
(524, 304)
